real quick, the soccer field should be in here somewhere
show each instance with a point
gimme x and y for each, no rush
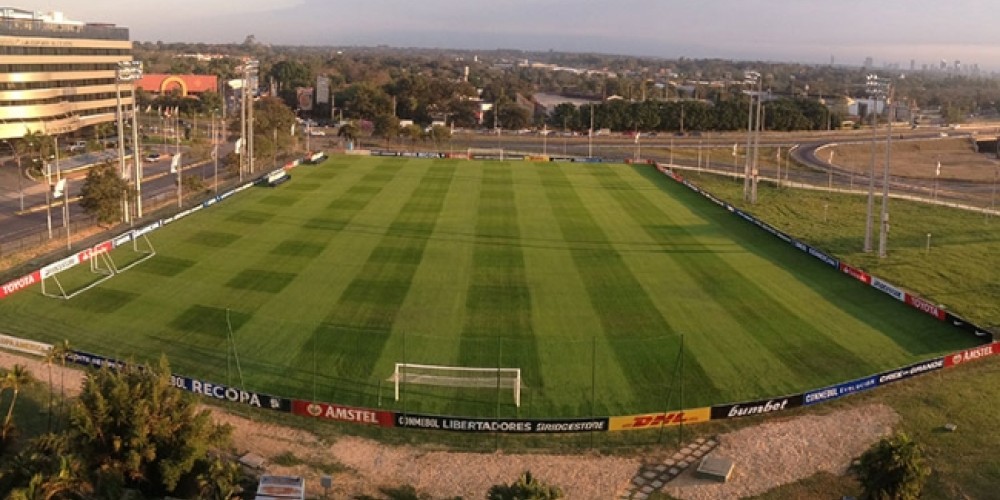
(588, 278)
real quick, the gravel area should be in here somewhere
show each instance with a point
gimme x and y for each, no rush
(779, 452)
(765, 455)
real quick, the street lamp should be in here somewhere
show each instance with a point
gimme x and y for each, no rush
(751, 78)
(883, 235)
(250, 68)
(590, 134)
(876, 88)
(130, 71)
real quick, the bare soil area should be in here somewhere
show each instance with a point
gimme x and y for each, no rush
(918, 159)
(766, 455)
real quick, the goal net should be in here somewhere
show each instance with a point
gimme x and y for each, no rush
(98, 261)
(486, 154)
(458, 376)
(100, 265)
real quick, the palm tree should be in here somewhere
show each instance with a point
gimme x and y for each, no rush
(349, 131)
(103, 130)
(16, 377)
(60, 351)
(21, 149)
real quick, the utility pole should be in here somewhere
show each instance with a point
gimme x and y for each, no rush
(177, 157)
(876, 88)
(215, 152)
(120, 119)
(590, 134)
(130, 71)
(883, 236)
(750, 78)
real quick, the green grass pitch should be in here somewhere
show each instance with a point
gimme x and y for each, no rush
(585, 277)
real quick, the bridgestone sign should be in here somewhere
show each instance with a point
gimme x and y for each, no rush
(456, 424)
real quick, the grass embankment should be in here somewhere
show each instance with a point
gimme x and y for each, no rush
(962, 270)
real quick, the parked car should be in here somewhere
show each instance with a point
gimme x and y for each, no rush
(77, 147)
(153, 157)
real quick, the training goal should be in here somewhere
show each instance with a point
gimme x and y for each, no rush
(101, 265)
(458, 376)
(486, 154)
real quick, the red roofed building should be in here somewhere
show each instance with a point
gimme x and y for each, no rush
(187, 84)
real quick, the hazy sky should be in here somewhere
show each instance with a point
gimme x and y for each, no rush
(890, 31)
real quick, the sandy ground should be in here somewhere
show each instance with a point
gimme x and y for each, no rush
(918, 159)
(766, 455)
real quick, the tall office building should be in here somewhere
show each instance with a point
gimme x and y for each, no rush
(57, 76)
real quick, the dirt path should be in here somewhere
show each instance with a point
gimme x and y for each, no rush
(766, 455)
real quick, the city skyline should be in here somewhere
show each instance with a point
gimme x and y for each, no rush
(846, 32)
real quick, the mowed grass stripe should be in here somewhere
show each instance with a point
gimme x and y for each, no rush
(863, 320)
(369, 305)
(296, 252)
(683, 301)
(775, 326)
(627, 313)
(498, 328)
(431, 317)
(581, 374)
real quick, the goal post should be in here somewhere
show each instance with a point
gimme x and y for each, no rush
(142, 249)
(486, 154)
(100, 264)
(458, 376)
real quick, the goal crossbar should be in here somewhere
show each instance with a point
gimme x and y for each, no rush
(145, 252)
(100, 264)
(458, 376)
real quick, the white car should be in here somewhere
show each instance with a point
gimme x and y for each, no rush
(316, 133)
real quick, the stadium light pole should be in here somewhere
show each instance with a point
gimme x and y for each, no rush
(751, 78)
(215, 151)
(755, 171)
(590, 134)
(130, 71)
(120, 122)
(875, 89)
(884, 226)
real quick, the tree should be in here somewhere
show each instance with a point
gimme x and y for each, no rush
(413, 132)
(103, 131)
(102, 193)
(386, 126)
(15, 378)
(439, 133)
(527, 487)
(566, 115)
(221, 481)
(272, 120)
(137, 431)
(349, 131)
(59, 351)
(892, 469)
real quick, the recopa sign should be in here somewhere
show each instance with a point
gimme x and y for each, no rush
(232, 394)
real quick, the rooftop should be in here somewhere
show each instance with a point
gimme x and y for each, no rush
(20, 22)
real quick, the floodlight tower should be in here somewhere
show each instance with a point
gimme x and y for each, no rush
(876, 88)
(752, 79)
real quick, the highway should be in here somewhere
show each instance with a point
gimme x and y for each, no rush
(29, 228)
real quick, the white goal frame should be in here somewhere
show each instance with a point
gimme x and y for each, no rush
(487, 152)
(146, 253)
(100, 264)
(459, 376)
